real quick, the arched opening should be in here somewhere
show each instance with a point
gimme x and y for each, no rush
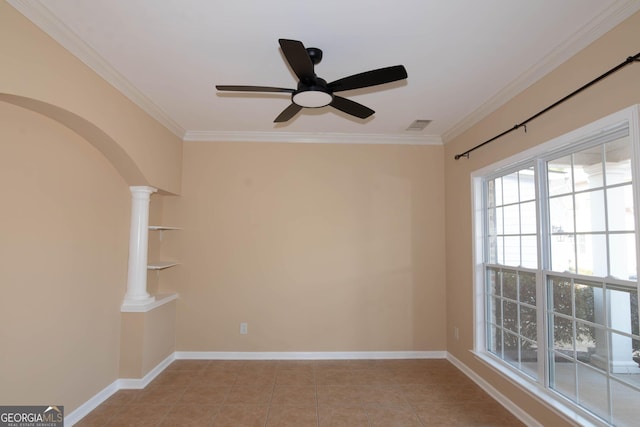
(114, 153)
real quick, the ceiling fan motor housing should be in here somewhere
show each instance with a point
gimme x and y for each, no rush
(314, 94)
(315, 54)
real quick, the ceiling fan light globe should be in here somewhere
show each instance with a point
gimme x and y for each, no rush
(312, 98)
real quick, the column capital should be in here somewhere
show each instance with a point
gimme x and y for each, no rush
(142, 190)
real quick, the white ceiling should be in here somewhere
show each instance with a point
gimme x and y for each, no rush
(464, 58)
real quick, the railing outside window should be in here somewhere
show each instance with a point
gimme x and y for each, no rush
(560, 271)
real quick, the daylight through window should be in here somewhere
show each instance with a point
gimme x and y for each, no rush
(559, 281)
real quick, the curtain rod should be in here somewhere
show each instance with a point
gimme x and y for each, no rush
(629, 60)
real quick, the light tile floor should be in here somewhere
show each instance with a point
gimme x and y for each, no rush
(350, 393)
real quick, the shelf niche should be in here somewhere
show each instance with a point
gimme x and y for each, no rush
(161, 265)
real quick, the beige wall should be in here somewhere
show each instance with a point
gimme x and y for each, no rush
(318, 247)
(64, 222)
(131, 345)
(38, 71)
(615, 93)
(146, 340)
(159, 335)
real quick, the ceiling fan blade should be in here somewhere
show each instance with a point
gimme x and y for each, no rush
(298, 58)
(254, 89)
(351, 107)
(288, 113)
(369, 78)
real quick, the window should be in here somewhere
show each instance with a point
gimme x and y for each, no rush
(556, 259)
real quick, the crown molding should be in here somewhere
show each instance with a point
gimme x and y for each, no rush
(42, 17)
(312, 138)
(614, 15)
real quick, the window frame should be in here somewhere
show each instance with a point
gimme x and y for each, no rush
(538, 156)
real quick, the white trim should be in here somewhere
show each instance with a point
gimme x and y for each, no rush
(307, 355)
(159, 300)
(135, 383)
(477, 229)
(139, 383)
(119, 384)
(539, 390)
(493, 392)
(91, 404)
(40, 15)
(614, 15)
(312, 138)
(628, 114)
(573, 414)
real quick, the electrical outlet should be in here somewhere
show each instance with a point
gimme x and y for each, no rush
(244, 328)
(456, 333)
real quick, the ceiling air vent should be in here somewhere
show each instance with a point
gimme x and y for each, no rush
(418, 125)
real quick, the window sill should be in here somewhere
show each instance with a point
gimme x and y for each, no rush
(567, 410)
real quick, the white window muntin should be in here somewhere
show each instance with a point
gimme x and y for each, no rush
(588, 135)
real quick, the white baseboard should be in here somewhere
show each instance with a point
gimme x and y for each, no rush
(493, 392)
(119, 384)
(139, 383)
(91, 404)
(308, 355)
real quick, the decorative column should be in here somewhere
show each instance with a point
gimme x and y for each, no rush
(137, 294)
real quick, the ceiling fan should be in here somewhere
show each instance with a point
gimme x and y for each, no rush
(314, 92)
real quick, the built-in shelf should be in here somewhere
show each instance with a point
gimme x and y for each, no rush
(161, 265)
(162, 228)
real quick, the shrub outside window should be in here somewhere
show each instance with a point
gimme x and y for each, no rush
(558, 260)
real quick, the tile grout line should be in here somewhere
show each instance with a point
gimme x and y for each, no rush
(380, 380)
(213, 419)
(273, 390)
(315, 389)
(402, 394)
